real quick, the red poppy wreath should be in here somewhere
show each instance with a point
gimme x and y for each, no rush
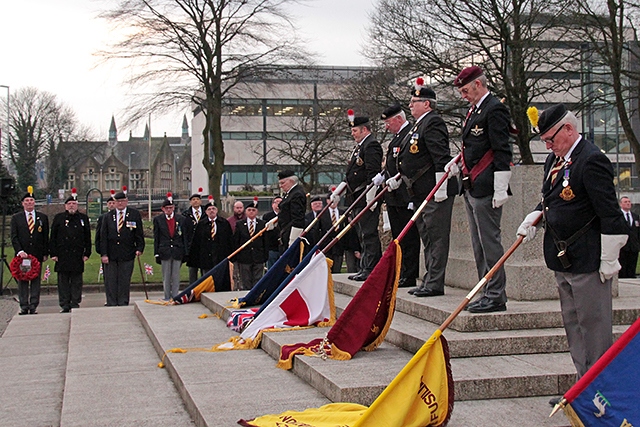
(19, 274)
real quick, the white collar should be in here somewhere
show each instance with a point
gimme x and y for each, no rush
(567, 157)
(479, 103)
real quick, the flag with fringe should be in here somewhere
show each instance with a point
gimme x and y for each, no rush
(215, 280)
(608, 394)
(422, 394)
(364, 322)
(265, 287)
(306, 301)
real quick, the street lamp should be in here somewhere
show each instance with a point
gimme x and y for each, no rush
(129, 171)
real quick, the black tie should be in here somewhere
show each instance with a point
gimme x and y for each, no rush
(629, 219)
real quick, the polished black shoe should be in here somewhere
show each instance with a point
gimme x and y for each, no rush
(65, 310)
(414, 290)
(554, 401)
(353, 276)
(406, 283)
(23, 312)
(359, 277)
(33, 311)
(487, 306)
(474, 303)
(426, 292)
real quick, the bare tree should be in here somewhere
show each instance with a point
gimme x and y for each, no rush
(38, 122)
(516, 43)
(196, 51)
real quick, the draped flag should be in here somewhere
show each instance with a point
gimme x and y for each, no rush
(420, 395)
(364, 322)
(265, 287)
(608, 394)
(306, 301)
(215, 280)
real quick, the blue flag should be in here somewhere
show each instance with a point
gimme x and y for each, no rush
(608, 394)
(215, 280)
(262, 290)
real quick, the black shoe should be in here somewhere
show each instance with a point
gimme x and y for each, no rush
(426, 292)
(414, 290)
(487, 306)
(554, 401)
(361, 277)
(23, 312)
(353, 276)
(65, 310)
(406, 283)
(474, 303)
(33, 311)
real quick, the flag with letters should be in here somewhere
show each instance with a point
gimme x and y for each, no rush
(608, 394)
(422, 394)
(215, 280)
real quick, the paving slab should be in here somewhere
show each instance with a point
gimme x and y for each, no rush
(111, 370)
(222, 387)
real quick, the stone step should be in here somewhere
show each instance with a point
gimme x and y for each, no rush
(220, 388)
(111, 369)
(519, 315)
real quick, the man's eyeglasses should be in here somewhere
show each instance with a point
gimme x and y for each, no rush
(550, 140)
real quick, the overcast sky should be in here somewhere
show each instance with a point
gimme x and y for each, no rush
(49, 44)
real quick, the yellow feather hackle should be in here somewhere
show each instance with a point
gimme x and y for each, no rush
(532, 113)
(30, 189)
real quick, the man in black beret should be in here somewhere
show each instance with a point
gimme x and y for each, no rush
(30, 236)
(250, 261)
(292, 208)
(195, 213)
(170, 245)
(314, 235)
(399, 204)
(70, 248)
(365, 163)
(423, 154)
(485, 169)
(584, 231)
(121, 240)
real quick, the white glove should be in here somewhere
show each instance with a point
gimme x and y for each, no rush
(271, 224)
(527, 229)
(410, 206)
(295, 233)
(378, 179)
(393, 184)
(500, 187)
(609, 251)
(371, 194)
(335, 195)
(453, 168)
(441, 193)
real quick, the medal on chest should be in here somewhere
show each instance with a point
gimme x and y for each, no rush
(396, 151)
(567, 193)
(413, 149)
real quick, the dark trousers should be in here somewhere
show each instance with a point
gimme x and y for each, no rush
(353, 262)
(249, 274)
(367, 229)
(273, 258)
(29, 294)
(628, 260)
(399, 216)
(117, 282)
(69, 289)
(337, 262)
(434, 225)
(193, 274)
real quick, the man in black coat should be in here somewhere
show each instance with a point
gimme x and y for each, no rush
(327, 220)
(399, 204)
(364, 164)
(111, 204)
(314, 235)
(30, 236)
(70, 248)
(629, 252)
(195, 213)
(121, 241)
(485, 168)
(584, 231)
(212, 242)
(292, 209)
(272, 236)
(250, 261)
(170, 245)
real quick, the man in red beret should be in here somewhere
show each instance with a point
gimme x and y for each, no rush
(485, 172)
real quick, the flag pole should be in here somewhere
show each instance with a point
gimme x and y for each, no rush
(315, 220)
(144, 283)
(255, 236)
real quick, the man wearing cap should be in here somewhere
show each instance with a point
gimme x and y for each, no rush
(292, 208)
(364, 164)
(485, 172)
(423, 154)
(70, 248)
(195, 213)
(584, 231)
(316, 232)
(271, 236)
(30, 236)
(111, 204)
(399, 204)
(121, 240)
(212, 242)
(250, 261)
(170, 244)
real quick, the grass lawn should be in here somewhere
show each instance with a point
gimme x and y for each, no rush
(92, 267)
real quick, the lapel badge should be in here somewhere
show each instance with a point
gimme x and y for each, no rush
(567, 193)
(359, 161)
(476, 131)
(414, 148)
(39, 229)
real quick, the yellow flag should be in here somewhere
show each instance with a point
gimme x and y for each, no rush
(420, 395)
(331, 415)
